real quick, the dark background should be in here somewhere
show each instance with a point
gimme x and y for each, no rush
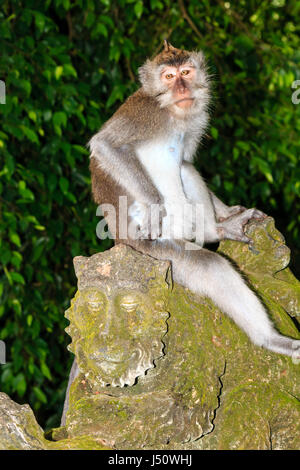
(67, 66)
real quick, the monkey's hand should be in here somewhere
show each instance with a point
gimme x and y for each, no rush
(146, 221)
(228, 212)
(232, 228)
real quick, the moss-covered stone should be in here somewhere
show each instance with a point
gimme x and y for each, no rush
(211, 388)
(20, 431)
(162, 368)
(18, 427)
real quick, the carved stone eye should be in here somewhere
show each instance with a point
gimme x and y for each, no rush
(95, 304)
(129, 303)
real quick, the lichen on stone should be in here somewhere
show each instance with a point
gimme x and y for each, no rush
(163, 368)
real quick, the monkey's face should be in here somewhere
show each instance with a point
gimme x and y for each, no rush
(180, 81)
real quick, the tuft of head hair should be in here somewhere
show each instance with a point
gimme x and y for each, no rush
(171, 55)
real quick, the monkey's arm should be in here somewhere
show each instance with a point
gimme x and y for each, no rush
(222, 211)
(215, 230)
(116, 156)
(115, 145)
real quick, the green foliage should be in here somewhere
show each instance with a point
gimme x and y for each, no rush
(67, 66)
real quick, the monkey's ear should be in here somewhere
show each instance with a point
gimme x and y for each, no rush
(198, 58)
(145, 72)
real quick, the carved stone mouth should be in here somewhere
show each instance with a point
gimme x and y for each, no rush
(104, 360)
(100, 360)
(110, 361)
(94, 305)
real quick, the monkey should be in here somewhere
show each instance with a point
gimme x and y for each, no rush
(145, 152)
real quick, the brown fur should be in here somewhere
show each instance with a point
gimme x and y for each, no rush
(133, 111)
(171, 56)
(106, 191)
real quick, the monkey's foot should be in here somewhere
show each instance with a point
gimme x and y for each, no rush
(284, 345)
(233, 227)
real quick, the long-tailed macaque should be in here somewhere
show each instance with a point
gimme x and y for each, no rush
(145, 152)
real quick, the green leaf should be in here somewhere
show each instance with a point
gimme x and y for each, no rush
(68, 70)
(30, 134)
(32, 115)
(45, 371)
(24, 192)
(64, 185)
(58, 72)
(14, 238)
(40, 395)
(37, 252)
(214, 132)
(24, 85)
(90, 18)
(116, 94)
(17, 277)
(138, 9)
(39, 20)
(19, 384)
(71, 197)
(99, 30)
(60, 119)
(16, 259)
(80, 149)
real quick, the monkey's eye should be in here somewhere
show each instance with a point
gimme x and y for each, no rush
(169, 76)
(185, 72)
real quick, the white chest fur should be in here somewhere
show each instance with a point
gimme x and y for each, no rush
(162, 160)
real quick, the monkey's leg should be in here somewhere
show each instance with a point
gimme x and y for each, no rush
(197, 192)
(73, 374)
(207, 273)
(232, 227)
(217, 279)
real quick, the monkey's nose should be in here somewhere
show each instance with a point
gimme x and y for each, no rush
(182, 91)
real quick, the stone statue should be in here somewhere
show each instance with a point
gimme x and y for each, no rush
(156, 379)
(161, 368)
(118, 331)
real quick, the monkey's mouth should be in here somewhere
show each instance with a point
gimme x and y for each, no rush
(185, 102)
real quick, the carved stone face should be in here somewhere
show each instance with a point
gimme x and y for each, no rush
(117, 334)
